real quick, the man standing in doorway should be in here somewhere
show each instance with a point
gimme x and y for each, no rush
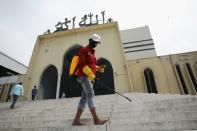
(34, 92)
(86, 77)
(16, 92)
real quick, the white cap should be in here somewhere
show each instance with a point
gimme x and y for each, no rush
(95, 37)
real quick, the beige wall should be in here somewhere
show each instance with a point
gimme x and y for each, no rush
(166, 76)
(162, 70)
(181, 60)
(50, 50)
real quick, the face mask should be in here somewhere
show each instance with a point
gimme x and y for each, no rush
(93, 44)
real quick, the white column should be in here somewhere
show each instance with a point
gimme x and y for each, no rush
(58, 86)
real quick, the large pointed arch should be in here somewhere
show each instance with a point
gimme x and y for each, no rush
(150, 81)
(48, 83)
(106, 78)
(69, 86)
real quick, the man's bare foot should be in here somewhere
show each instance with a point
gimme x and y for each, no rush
(77, 123)
(100, 122)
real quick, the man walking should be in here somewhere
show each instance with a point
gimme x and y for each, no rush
(34, 92)
(86, 77)
(16, 92)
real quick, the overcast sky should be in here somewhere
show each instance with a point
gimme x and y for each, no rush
(172, 23)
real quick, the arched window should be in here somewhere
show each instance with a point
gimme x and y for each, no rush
(191, 74)
(150, 81)
(181, 78)
(48, 83)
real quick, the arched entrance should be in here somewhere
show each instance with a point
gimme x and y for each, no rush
(69, 86)
(106, 78)
(48, 83)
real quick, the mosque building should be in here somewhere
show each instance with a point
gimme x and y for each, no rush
(130, 57)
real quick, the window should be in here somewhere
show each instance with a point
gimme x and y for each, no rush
(150, 81)
(181, 78)
(191, 74)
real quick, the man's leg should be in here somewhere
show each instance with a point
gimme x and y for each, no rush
(15, 98)
(80, 109)
(33, 97)
(12, 105)
(97, 121)
(88, 88)
(76, 121)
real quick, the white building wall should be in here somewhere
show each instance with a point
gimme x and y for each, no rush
(9, 79)
(12, 64)
(138, 43)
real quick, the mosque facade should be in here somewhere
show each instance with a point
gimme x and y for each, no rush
(130, 56)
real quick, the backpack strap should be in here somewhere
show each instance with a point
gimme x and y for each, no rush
(76, 70)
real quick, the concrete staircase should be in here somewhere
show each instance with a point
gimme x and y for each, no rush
(147, 112)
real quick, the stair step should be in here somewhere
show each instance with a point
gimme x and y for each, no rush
(67, 128)
(42, 124)
(59, 116)
(156, 126)
(146, 112)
